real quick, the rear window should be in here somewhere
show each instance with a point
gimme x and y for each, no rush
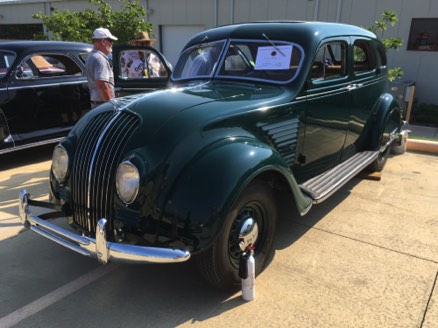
(48, 65)
(363, 56)
(6, 61)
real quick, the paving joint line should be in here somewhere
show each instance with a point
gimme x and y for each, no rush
(367, 243)
(429, 300)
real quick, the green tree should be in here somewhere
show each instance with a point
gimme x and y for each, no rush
(78, 26)
(379, 28)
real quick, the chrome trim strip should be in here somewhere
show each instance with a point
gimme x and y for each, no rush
(98, 248)
(350, 87)
(33, 86)
(96, 148)
(34, 144)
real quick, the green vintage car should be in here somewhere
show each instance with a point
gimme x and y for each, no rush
(194, 170)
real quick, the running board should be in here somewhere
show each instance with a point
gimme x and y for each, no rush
(324, 185)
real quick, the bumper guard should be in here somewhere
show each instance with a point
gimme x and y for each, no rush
(100, 248)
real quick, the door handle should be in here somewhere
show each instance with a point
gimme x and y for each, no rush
(354, 86)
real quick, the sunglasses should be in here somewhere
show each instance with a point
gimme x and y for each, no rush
(109, 40)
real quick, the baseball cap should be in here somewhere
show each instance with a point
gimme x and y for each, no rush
(103, 33)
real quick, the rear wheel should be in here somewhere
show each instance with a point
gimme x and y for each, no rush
(252, 219)
(380, 161)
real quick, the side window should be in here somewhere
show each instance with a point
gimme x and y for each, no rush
(140, 64)
(48, 65)
(363, 56)
(330, 61)
(381, 54)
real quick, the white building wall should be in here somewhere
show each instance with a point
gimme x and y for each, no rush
(419, 66)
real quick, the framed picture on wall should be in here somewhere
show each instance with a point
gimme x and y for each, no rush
(423, 35)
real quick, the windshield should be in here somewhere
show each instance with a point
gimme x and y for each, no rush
(6, 61)
(270, 61)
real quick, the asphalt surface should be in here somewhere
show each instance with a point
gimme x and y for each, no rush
(367, 257)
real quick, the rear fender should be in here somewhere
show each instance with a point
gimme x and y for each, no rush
(205, 190)
(5, 134)
(387, 123)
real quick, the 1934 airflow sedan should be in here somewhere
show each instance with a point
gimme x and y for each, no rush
(194, 169)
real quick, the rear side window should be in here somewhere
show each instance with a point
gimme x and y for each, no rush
(6, 61)
(48, 65)
(330, 61)
(363, 56)
(381, 54)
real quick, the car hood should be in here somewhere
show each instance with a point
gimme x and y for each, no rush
(179, 110)
(184, 118)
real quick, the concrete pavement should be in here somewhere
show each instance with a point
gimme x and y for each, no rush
(367, 257)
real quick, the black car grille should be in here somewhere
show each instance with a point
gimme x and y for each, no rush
(99, 151)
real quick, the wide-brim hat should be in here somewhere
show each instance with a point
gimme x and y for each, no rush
(142, 37)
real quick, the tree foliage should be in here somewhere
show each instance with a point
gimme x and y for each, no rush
(78, 26)
(379, 28)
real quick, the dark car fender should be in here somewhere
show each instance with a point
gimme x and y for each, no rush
(4, 128)
(387, 123)
(205, 190)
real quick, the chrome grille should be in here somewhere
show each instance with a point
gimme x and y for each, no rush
(284, 136)
(99, 151)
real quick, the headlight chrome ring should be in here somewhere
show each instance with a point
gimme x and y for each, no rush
(127, 182)
(60, 163)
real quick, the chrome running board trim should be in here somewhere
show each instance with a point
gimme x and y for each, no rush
(324, 185)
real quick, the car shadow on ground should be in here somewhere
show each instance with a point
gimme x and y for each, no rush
(291, 226)
(36, 182)
(26, 157)
(160, 294)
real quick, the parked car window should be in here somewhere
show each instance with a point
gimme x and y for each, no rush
(276, 61)
(6, 61)
(45, 65)
(198, 61)
(272, 61)
(140, 64)
(330, 61)
(363, 56)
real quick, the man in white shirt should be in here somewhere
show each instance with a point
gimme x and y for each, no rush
(98, 67)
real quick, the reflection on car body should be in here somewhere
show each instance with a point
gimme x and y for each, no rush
(196, 169)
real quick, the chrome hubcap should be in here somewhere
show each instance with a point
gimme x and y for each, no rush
(248, 234)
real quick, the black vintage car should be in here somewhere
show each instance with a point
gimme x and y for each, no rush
(255, 110)
(44, 92)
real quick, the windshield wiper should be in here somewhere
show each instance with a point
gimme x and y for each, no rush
(272, 43)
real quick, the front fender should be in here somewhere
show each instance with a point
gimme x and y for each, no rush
(206, 189)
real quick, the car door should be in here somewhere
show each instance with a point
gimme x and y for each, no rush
(326, 113)
(139, 69)
(367, 83)
(47, 94)
(7, 59)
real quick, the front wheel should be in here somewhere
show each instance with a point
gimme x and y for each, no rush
(255, 208)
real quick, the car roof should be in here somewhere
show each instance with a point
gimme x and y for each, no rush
(24, 46)
(306, 33)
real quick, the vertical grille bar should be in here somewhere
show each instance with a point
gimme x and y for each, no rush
(98, 154)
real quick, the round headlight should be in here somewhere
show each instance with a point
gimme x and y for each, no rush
(127, 182)
(60, 163)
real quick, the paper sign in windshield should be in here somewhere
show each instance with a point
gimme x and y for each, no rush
(273, 57)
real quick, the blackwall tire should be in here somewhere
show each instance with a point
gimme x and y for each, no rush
(219, 263)
(380, 161)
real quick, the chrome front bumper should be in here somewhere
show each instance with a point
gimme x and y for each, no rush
(100, 248)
